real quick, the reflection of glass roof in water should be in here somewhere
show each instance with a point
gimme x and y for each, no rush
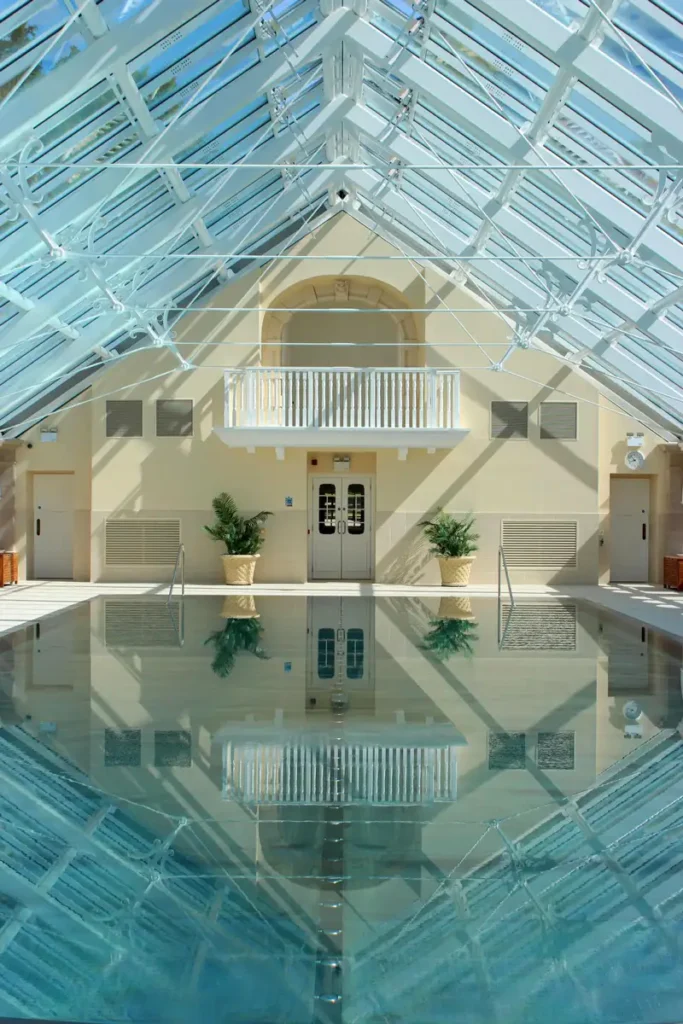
(531, 147)
(136, 883)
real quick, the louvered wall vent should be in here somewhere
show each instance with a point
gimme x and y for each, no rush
(124, 419)
(509, 419)
(174, 417)
(540, 545)
(142, 541)
(139, 624)
(558, 421)
(539, 627)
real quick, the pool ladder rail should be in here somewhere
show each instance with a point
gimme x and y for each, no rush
(179, 626)
(503, 571)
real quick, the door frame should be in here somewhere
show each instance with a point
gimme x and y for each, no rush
(311, 519)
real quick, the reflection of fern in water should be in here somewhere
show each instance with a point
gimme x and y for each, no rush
(450, 636)
(236, 636)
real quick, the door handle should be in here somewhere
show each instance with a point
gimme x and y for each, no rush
(341, 526)
(37, 527)
(644, 531)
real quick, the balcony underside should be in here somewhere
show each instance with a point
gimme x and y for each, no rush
(317, 438)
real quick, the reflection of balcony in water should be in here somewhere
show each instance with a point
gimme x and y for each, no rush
(394, 766)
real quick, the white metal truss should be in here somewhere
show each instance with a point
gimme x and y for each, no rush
(70, 323)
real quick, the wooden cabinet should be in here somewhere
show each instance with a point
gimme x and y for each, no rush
(673, 571)
(9, 568)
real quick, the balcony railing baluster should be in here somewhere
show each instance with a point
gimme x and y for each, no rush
(354, 399)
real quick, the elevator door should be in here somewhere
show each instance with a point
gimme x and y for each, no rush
(340, 527)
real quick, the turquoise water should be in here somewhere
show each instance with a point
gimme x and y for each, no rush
(340, 810)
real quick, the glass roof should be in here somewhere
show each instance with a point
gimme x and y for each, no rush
(532, 147)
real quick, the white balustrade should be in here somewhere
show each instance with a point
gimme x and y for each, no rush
(315, 398)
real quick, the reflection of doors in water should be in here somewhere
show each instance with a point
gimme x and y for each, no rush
(629, 529)
(53, 526)
(341, 528)
(341, 651)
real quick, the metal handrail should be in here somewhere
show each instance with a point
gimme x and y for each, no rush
(179, 561)
(503, 567)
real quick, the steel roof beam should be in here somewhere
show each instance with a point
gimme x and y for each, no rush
(124, 43)
(553, 102)
(275, 151)
(617, 84)
(513, 225)
(485, 125)
(70, 358)
(383, 198)
(38, 100)
(658, 418)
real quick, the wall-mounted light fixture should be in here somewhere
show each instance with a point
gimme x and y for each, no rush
(48, 433)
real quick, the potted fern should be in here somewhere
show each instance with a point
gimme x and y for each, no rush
(454, 542)
(450, 636)
(243, 539)
(237, 636)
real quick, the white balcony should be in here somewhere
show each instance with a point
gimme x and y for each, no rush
(315, 407)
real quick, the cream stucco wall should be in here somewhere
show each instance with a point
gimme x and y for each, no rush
(533, 479)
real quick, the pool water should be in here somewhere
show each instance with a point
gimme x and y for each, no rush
(340, 809)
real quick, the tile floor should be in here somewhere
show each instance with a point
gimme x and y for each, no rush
(648, 604)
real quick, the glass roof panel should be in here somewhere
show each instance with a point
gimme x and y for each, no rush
(640, 20)
(36, 46)
(566, 11)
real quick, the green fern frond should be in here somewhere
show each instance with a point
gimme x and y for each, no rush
(450, 537)
(239, 535)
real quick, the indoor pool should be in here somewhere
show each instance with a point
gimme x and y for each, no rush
(340, 809)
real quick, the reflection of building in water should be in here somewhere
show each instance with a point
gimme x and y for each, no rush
(338, 749)
(340, 655)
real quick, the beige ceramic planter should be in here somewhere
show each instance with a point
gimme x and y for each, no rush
(455, 572)
(239, 569)
(239, 606)
(455, 608)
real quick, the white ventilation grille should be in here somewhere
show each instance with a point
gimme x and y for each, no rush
(539, 627)
(142, 541)
(546, 544)
(559, 421)
(174, 417)
(124, 419)
(139, 624)
(509, 419)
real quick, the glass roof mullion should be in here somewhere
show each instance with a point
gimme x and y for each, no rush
(508, 220)
(478, 119)
(36, 101)
(523, 292)
(454, 103)
(277, 149)
(157, 294)
(623, 88)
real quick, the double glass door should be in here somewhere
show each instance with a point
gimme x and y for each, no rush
(341, 528)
